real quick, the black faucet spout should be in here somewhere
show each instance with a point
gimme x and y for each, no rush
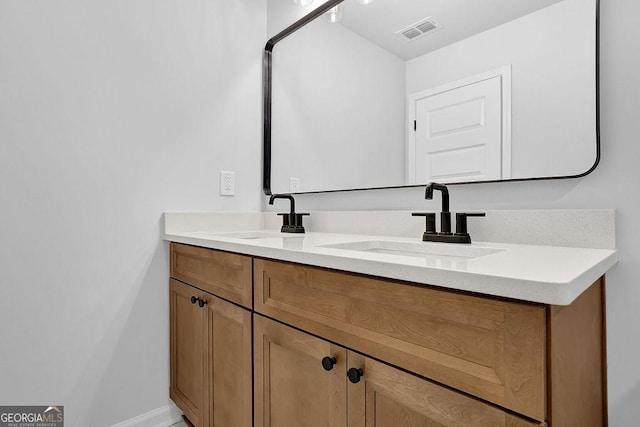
(284, 196)
(428, 194)
(445, 214)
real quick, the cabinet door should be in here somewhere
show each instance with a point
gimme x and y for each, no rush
(228, 364)
(292, 388)
(387, 397)
(210, 358)
(187, 348)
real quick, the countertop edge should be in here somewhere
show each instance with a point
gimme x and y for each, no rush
(553, 293)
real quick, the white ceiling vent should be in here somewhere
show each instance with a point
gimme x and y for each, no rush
(421, 28)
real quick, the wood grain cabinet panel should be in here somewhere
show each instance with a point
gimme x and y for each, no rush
(224, 274)
(292, 388)
(211, 358)
(490, 348)
(229, 365)
(187, 351)
(577, 361)
(389, 397)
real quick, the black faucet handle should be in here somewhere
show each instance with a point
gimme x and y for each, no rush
(461, 222)
(430, 221)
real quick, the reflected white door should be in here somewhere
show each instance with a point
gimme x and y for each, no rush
(458, 134)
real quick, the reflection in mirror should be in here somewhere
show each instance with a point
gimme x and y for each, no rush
(404, 92)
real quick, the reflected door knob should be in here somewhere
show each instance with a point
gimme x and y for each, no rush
(354, 375)
(328, 363)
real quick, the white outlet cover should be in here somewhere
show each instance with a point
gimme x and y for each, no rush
(227, 183)
(294, 184)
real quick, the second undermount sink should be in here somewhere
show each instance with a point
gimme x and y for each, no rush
(416, 249)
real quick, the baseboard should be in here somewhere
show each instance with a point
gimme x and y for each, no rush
(162, 417)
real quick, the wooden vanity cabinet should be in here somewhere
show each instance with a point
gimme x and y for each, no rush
(210, 352)
(428, 356)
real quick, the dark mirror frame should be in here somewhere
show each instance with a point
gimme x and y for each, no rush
(319, 11)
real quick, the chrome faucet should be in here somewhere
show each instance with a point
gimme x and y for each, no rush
(430, 235)
(291, 222)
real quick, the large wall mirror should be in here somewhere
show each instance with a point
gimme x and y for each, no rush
(392, 93)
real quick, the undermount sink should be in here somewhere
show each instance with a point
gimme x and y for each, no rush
(416, 249)
(255, 235)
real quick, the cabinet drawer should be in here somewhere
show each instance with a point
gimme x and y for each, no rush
(224, 274)
(490, 348)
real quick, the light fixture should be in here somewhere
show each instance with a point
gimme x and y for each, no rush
(302, 2)
(334, 14)
(365, 1)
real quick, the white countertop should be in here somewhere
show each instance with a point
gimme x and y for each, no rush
(543, 274)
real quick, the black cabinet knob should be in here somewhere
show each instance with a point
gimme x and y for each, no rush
(194, 299)
(328, 363)
(201, 302)
(354, 375)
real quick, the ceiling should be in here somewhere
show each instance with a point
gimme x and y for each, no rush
(459, 19)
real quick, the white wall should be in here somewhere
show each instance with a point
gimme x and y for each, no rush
(111, 112)
(553, 100)
(614, 184)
